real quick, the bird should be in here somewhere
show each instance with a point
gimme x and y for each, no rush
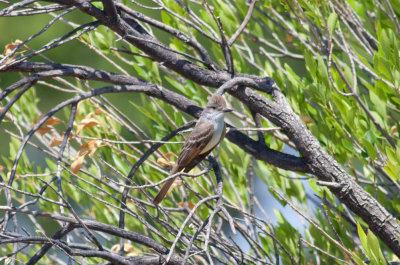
(207, 134)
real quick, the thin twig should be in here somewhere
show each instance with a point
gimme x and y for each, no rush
(244, 23)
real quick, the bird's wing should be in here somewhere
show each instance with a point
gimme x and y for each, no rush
(194, 144)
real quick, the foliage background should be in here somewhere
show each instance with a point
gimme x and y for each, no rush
(336, 61)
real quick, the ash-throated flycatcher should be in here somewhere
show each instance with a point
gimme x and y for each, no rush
(208, 132)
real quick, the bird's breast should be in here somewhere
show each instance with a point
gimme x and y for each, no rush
(218, 131)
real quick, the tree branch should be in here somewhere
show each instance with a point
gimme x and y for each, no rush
(244, 23)
(105, 228)
(111, 11)
(249, 145)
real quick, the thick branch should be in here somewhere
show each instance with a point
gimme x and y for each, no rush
(249, 145)
(58, 235)
(137, 36)
(322, 164)
(319, 162)
(324, 167)
(177, 33)
(111, 11)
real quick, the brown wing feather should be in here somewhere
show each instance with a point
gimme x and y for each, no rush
(200, 157)
(197, 140)
(189, 156)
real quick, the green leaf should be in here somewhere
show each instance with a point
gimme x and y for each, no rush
(362, 235)
(98, 4)
(332, 20)
(310, 62)
(382, 66)
(380, 106)
(373, 244)
(370, 136)
(322, 71)
(165, 17)
(370, 148)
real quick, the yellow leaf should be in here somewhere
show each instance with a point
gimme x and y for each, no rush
(127, 247)
(9, 174)
(53, 121)
(393, 130)
(115, 248)
(132, 253)
(43, 130)
(163, 162)
(77, 164)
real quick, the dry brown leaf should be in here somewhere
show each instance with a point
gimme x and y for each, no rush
(11, 46)
(2, 168)
(38, 118)
(71, 135)
(306, 119)
(91, 122)
(90, 147)
(55, 142)
(169, 155)
(99, 111)
(86, 123)
(77, 164)
(53, 121)
(191, 205)
(43, 130)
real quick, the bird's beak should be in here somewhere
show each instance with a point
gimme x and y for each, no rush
(227, 110)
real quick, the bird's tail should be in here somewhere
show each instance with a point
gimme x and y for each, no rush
(163, 192)
(167, 185)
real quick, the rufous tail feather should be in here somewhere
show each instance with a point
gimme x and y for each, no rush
(163, 192)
